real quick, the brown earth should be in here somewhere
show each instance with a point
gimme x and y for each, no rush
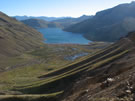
(15, 37)
(93, 85)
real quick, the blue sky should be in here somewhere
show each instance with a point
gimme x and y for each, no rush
(56, 8)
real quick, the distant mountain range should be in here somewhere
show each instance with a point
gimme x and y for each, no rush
(65, 22)
(16, 38)
(37, 22)
(107, 25)
(40, 17)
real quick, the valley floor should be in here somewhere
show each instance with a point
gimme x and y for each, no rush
(27, 69)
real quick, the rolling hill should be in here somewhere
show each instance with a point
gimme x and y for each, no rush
(107, 25)
(16, 38)
(38, 23)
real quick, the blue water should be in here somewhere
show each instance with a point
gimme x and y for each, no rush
(58, 36)
(76, 56)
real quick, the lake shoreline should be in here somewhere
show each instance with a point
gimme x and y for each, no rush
(59, 36)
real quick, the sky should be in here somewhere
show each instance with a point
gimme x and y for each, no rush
(56, 8)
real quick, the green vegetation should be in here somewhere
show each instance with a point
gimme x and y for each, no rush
(33, 71)
(26, 69)
(70, 74)
(43, 72)
(52, 73)
(42, 61)
(17, 38)
(41, 97)
(108, 60)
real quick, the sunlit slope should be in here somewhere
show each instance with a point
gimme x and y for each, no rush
(16, 37)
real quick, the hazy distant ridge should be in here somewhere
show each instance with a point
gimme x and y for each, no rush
(108, 25)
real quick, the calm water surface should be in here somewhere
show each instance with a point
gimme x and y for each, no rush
(58, 36)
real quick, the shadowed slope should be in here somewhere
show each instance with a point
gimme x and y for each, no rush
(108, 25)
(93, 85)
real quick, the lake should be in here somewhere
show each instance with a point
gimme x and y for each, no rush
(58, 36)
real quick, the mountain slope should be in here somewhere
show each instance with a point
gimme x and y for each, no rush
(118, 20)
(107, 74)
(113, 80)
(15, 37)
(39, 17)
(38, 23)
(60, 23)
(85, 77)
(65, 22)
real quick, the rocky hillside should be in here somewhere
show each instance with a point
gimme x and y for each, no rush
(15, 37)
(108, 25)
(38, 23)
(110, 78)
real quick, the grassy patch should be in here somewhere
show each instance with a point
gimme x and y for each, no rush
(36, 97)
(28, 67)
(71, 74)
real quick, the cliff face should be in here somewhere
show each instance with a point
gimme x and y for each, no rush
(15, 37)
